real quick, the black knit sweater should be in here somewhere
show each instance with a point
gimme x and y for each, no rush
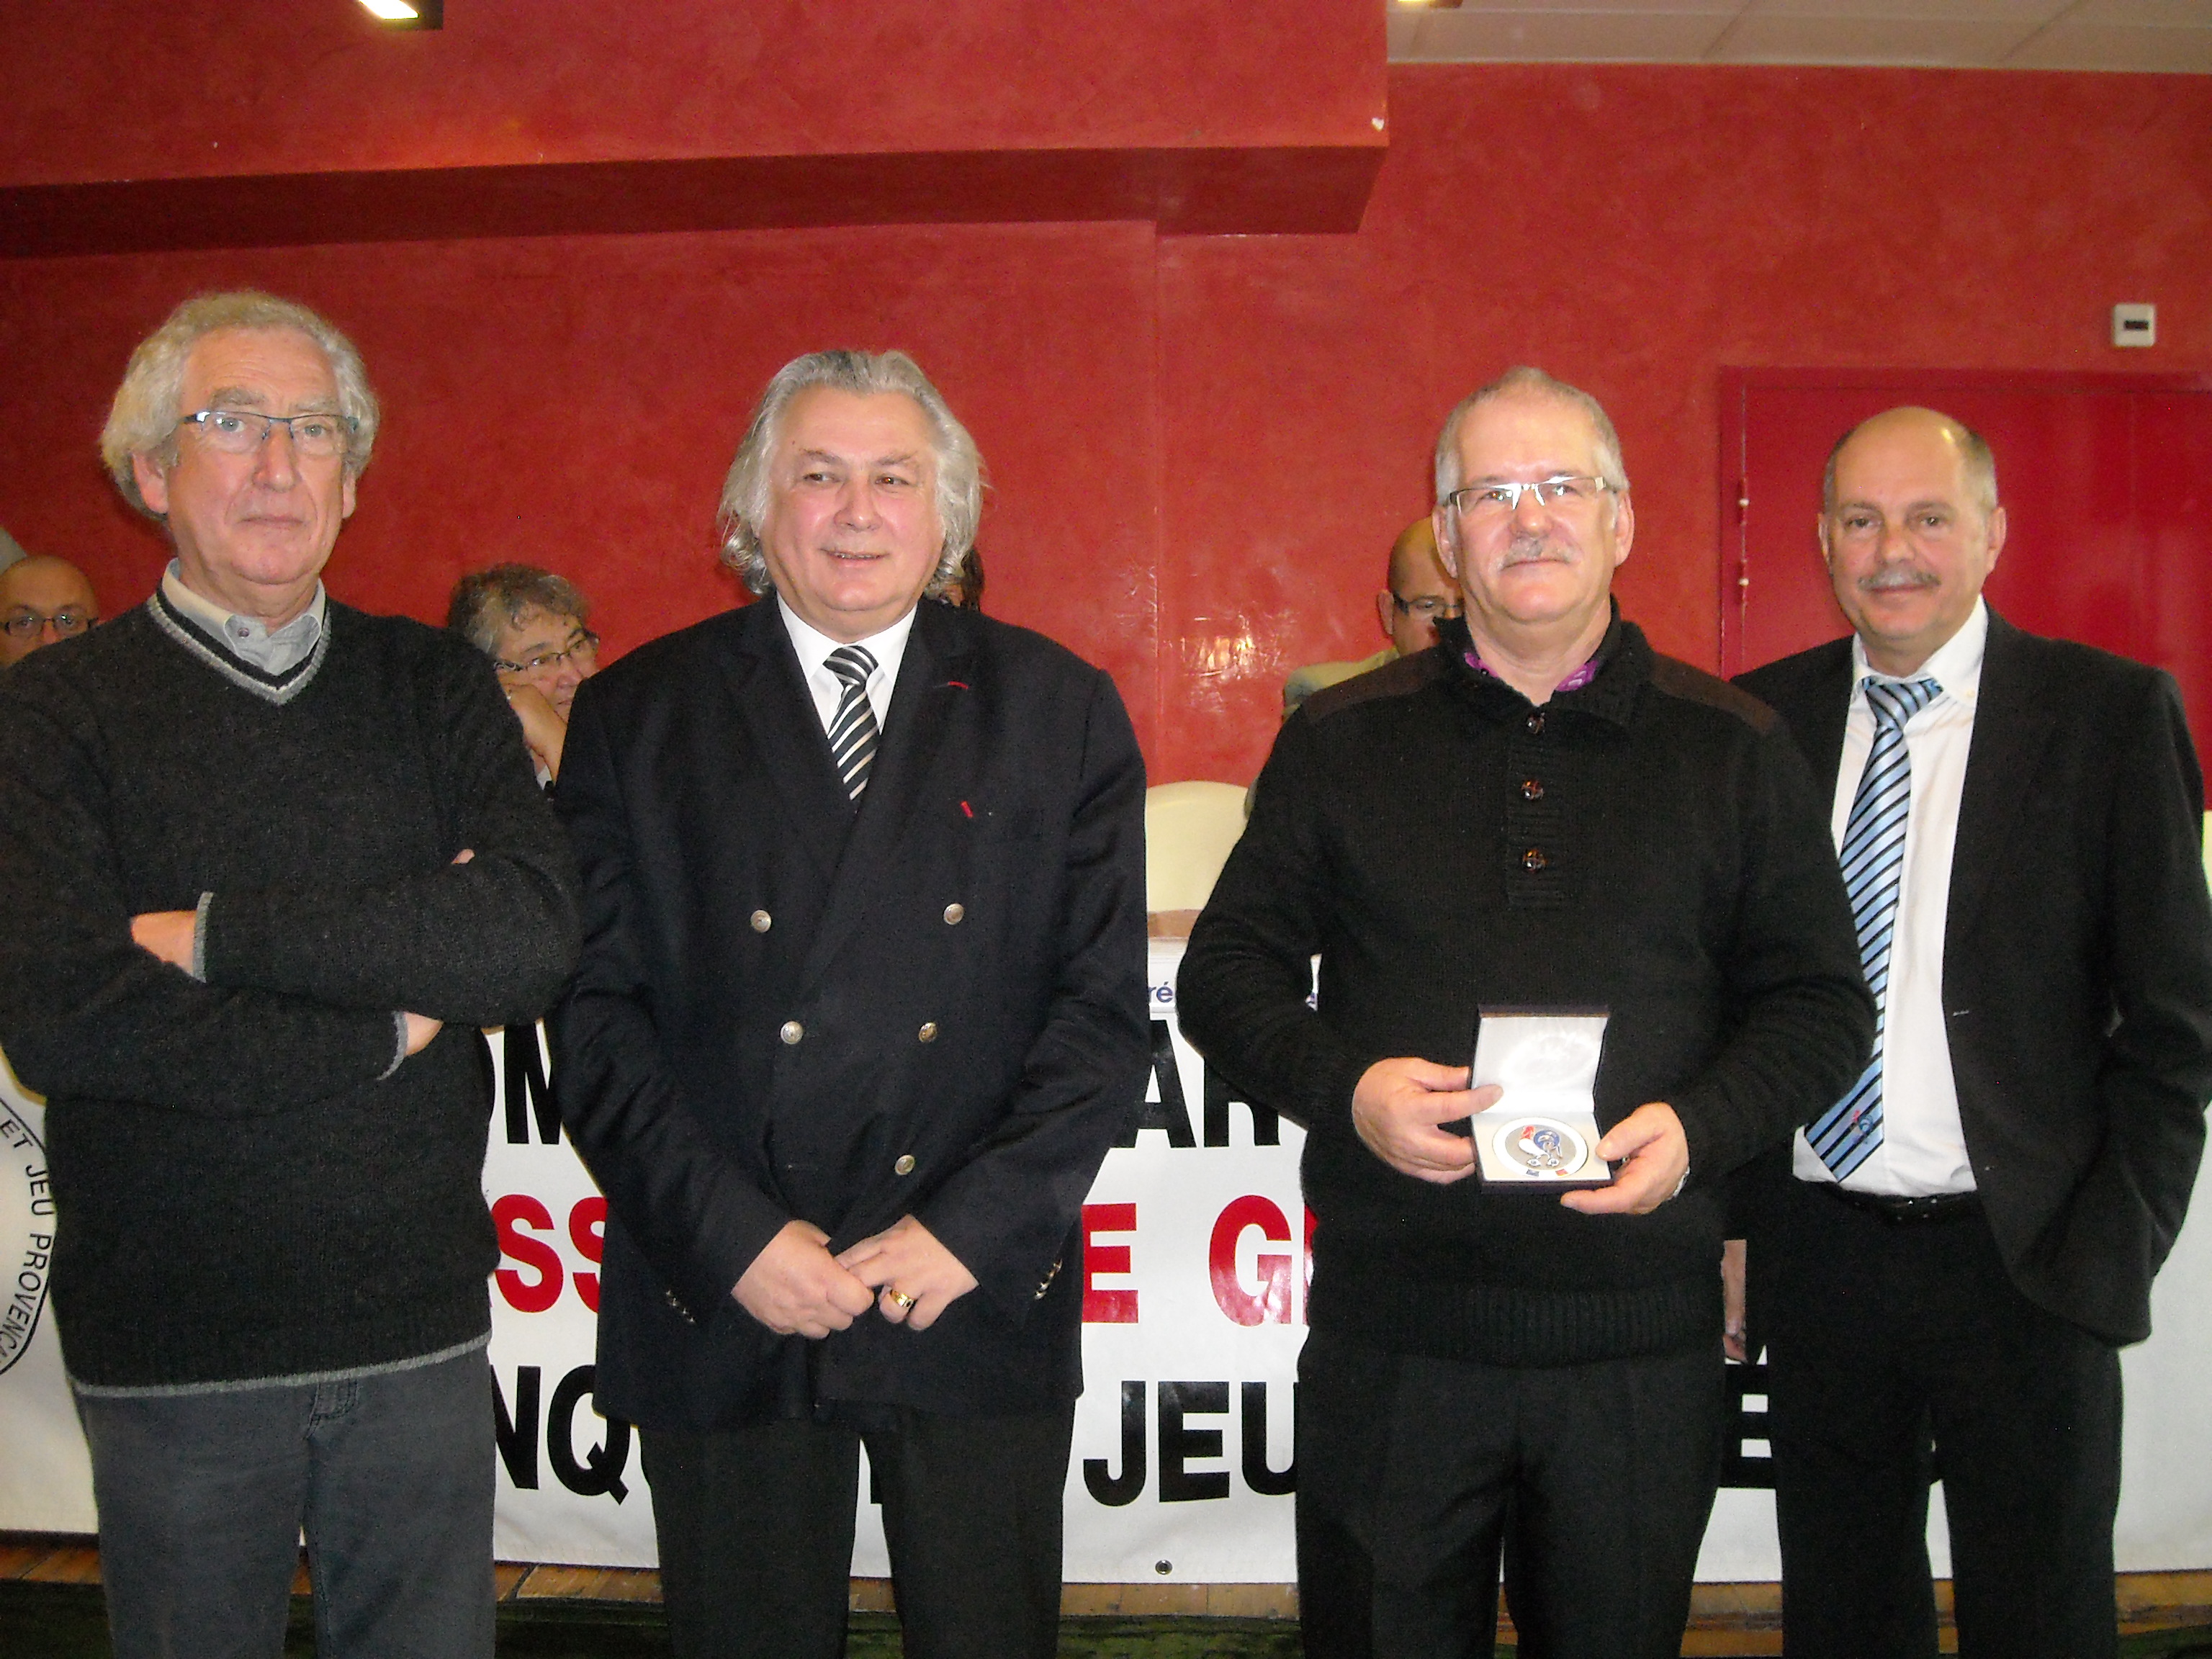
(1686, 883)
(245, 1187)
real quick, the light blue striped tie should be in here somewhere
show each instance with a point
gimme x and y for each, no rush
(1872, 856)
(852, 728)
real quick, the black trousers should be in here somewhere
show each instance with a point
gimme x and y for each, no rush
(756, 1532)
(1596, 1480)
(1900, 1353)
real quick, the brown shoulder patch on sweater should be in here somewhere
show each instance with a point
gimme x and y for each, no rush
(1675, 678)
(1392, 679)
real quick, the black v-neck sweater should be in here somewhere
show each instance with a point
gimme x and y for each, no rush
(247, 1186)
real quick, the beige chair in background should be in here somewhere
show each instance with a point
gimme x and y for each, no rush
(1188, 830)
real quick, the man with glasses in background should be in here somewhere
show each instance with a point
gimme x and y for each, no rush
(1419, 593)
(262, 850)
(530, 623)
(42, 600)
(1602, 827)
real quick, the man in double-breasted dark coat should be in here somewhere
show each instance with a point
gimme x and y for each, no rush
(861, 1011)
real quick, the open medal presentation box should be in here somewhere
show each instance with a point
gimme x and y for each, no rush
(1542, 1132)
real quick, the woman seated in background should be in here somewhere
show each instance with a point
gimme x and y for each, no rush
(530, 623)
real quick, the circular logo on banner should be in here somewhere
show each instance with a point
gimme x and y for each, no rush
(1541, 1145)
(26, 1232)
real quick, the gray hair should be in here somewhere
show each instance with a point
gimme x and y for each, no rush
(142, 420)
(1974, 452)
(1520, 379)
(486, 601)
(959, 466)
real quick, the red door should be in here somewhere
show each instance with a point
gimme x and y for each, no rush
(2106, 480)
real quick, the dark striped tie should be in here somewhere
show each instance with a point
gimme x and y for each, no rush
(1872, 856)
(853, 729)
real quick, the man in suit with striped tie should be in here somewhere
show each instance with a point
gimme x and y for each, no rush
(861, 1010)
(1946, 1263)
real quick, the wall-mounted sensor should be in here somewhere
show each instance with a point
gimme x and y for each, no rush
(2135, 325)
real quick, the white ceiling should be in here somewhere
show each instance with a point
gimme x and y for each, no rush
(2158, 36)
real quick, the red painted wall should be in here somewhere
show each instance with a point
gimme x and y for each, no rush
(1632, 230)
(315, 86)
(143, 125)
(1202, 445)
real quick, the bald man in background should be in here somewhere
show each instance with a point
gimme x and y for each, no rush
(42, 600)
(1420, 593)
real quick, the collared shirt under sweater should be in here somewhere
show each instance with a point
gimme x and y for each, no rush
(248, 1188)
(1650, 844)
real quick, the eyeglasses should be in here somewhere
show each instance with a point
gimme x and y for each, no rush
(1498, 501)
(583, 649)
(25, 623)
(1428, 607)
(242, 431)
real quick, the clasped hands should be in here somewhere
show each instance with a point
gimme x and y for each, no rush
(1399, 1104)
(796, 1288)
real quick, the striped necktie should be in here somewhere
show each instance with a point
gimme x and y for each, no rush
(1846, 1134)
(852, 728)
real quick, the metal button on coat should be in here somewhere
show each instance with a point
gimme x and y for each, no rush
(954, 914)
(1534, 858)
(793, 1030)
(1532, 789)
(762, 922)
(1536, 724)
(905, 1164)
(928, 1032)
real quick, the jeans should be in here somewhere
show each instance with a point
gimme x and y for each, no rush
(202, 1498)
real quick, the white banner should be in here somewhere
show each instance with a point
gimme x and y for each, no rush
(1194, 1308)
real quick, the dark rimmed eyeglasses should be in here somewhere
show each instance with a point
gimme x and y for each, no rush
(1429, 608)
(66, 623)
(583, 649)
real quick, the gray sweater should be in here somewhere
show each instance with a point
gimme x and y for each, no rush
(246, 1188)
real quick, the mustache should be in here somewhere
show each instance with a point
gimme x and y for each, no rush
(1531, 549)
(1896, 578)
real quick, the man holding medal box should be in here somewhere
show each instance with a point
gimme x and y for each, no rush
(1614, 830)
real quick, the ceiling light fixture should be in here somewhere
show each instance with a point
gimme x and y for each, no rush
(407, 13)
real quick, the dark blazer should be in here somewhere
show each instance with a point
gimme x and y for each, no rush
(2077, 959)
(790, 1006)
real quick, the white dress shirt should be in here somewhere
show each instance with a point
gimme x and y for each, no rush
(814, 647)
(1923, 1150)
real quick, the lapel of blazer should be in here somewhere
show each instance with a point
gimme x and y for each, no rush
(936, 671)
(2014, 714)
(1817, 718)
(779, 715)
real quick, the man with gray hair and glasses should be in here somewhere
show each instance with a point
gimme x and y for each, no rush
(1494, 1365)
(861, 1010)
(270, 859)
